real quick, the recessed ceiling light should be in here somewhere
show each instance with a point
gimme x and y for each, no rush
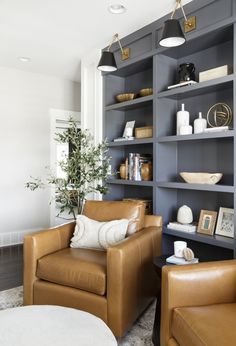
(24, 59)
(117, 9)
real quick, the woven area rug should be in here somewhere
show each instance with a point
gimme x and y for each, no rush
(139, 335)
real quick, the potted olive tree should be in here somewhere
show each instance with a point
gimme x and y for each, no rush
(86, 170)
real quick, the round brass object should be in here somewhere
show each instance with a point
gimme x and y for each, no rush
(219, 115)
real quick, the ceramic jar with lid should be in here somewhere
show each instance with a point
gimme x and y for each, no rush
(186, 72)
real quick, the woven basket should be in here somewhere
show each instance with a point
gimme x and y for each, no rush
(144, 132)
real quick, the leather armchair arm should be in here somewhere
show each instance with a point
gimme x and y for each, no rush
(39, 244)
(195, 285)
(129, 269)
(152, 220)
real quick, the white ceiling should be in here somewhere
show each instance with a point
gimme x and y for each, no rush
(55, 34)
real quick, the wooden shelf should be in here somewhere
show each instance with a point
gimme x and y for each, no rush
(131, 66)
(133, 142)
(212, 85)
(195, 137)
(130, 104)
(215, 240)
(130, 182)
(213, 35)
(199, 187)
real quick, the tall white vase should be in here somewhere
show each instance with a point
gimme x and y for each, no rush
(182, 119)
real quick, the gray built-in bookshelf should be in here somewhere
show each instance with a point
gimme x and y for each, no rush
(211, 45)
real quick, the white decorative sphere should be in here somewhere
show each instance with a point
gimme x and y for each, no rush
(185, 215)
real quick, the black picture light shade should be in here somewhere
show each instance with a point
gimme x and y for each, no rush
(107, 62)
(172, 35)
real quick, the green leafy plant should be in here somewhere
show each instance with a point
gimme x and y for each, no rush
(86, 170)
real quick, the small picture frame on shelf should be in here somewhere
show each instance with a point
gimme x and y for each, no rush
(225, 222)
(207, 221)
(129, 129)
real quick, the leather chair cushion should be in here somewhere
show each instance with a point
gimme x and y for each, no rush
(79, 268)
(114, 210)
(205, 325)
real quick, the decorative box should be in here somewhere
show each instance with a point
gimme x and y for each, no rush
(144, 132)
(217, 72)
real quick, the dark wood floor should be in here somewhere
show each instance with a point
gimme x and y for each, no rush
(11, 266)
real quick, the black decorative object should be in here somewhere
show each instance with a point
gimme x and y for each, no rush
(186, 72)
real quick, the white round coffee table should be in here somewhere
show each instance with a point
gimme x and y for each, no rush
(49, 325)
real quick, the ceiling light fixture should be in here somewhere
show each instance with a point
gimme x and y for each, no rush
(24, 59)
(116, 9)
(107, 63)
(172, 35)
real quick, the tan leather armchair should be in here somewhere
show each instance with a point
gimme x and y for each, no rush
(199, 304)
(116, 285)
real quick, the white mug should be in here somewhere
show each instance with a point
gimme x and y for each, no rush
(179, 246)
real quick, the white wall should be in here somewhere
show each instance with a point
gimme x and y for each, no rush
(25, 102)
(91, 95)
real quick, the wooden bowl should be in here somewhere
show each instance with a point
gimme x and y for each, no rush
(201, 178)
(125, 97)
(145, 92)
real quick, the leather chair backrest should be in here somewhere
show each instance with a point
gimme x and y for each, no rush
(134, 211)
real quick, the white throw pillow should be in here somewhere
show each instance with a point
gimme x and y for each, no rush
(93, 234)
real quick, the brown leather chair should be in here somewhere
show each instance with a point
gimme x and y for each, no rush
(199, 304)
(116, 285)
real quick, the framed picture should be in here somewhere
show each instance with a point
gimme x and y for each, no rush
(225, 222)
(207, 221)
(129, 129)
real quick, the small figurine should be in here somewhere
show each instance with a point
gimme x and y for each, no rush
(185, 215)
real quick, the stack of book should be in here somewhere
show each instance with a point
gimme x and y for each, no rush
(180, 261)
(190, 228)
(120, 139)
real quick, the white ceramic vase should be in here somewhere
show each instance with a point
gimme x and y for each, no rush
(185, 215)
(200, 124)
(182, 119)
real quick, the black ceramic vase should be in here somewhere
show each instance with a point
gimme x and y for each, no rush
(186, 72)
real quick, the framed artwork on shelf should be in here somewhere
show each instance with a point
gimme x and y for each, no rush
(225, 222)
(129, 129)
(207, 221)
(128, 132)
